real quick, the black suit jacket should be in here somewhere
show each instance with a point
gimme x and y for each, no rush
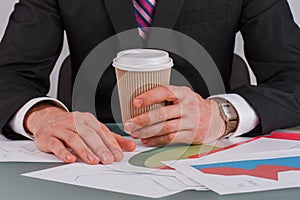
(34, 36)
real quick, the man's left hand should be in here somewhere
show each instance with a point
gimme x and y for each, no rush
(189, 119)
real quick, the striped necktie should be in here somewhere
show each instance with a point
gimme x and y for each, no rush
(144, 12)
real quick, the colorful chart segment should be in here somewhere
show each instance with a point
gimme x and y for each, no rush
(153, 158)
(266, 168)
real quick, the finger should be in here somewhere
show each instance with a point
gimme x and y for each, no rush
(97, 144)
(154, 116)
(111, 143)
(126, 145)
(156, 95)
(94, 135)
(56, 147)
(160, 129)
(76, 143)
(181, 137)
(110, 134)
(81, 120)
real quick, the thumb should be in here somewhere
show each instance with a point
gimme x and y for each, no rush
(127, 145)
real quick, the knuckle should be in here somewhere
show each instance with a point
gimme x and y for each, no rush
(69, 120)
(186, 89)
(162, 113)
(143, 132)
(88, 116)
(82, 150)
(74, 115)
(140, 120)
(170, 90)
(198, 138)
(170, 137)
(39, 142)
(100, 149)
(100, 131)
(39, 135)
(70, 117)
(102, 128)
(72, 137)
(88, 137)
(168, 127)
(48, 131)
(52, 144)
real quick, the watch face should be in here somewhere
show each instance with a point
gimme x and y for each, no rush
(226, 107)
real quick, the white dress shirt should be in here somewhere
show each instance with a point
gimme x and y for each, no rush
(248, 119)
(17, 122)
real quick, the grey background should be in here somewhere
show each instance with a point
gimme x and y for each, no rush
(6, 7)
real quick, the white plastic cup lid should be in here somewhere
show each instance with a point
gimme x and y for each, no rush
(143, 60)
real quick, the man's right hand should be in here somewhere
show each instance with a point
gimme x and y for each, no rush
(72, 134)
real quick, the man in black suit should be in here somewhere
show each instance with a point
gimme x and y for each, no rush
(33, 41)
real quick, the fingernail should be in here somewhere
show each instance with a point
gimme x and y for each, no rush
(145, 141)
(106, 157)
(117, 154)
(69, 157)
(92, 158)
(138, 102)
(134, 134)
(129, 126)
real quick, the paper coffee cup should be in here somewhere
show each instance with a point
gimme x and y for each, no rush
(137, 71)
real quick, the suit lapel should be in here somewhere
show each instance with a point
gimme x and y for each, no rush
(167, 12)
(166, 15)
(122, 15)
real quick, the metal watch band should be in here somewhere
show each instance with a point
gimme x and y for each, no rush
(228, 113)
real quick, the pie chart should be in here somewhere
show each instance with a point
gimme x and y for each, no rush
(153, 158)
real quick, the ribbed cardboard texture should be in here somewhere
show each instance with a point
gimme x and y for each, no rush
(131, 84)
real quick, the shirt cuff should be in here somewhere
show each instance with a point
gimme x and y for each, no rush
(17, 122)
(248, 119)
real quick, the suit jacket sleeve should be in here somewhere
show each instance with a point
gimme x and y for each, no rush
(272, 48)
(28, 52)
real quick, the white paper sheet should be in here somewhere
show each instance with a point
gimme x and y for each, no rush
(153, 185)
(131, 177)
(245, 179)
(105, 178)
(23, 151)
(161, 176)
(259, 177)
(26, 151)
(256, 146)
(123, 177)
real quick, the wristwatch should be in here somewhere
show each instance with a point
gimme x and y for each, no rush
(228, 113)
